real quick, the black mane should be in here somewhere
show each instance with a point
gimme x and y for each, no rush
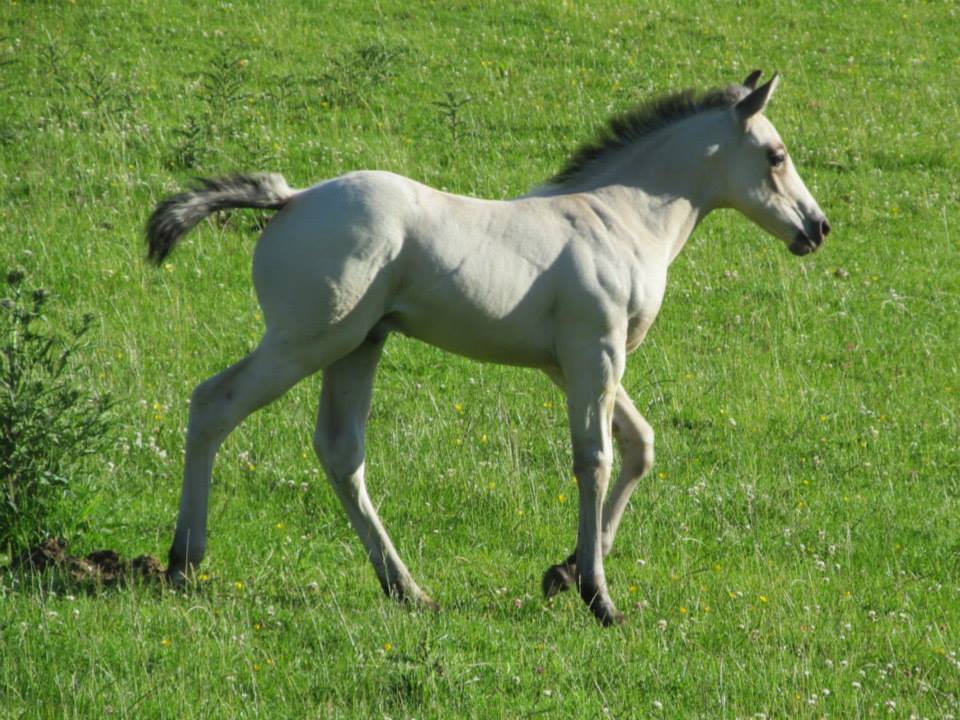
(626, 128)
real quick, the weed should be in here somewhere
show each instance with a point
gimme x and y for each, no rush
(356, 73)
(218, 120)
(450, 112)
(48, 422)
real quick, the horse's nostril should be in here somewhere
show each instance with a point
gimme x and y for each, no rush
(824, 227)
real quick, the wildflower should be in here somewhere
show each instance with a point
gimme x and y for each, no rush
(165, 642)
(279, 526)
(387, 647)
(633, 589)
(203, 577)
(683, 611)
(483, 439)
(762, 598)
(458, 408)
(562, 498)
(238, 585)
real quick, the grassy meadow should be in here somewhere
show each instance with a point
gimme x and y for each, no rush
(795, 552)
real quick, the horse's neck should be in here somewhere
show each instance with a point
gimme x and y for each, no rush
(657, 189)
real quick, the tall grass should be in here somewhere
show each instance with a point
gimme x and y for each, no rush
(794, 552)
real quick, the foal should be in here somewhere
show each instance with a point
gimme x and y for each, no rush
(567, 279)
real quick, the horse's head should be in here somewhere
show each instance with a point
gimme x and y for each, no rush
(761, 181)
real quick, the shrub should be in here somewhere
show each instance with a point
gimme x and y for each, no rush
(48, 423)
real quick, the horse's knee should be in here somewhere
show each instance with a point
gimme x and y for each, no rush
(340, 452)
(209, 410)
(636, 450)
(592, 462)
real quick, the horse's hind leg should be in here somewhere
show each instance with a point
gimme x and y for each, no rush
(339, 442)
(217, 406)
(635, 440)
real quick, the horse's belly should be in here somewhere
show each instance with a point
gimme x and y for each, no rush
(528, 344)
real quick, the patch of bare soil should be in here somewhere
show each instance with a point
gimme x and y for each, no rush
(103, 567)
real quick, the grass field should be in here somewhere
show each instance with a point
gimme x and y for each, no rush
(794, 553)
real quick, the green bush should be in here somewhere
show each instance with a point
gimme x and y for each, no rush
(48, 423)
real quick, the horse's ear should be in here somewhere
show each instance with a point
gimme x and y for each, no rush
(757, 100)
(751, 81)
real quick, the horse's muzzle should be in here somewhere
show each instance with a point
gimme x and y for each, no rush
(807, 242)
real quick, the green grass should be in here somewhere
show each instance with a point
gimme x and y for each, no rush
(795, 551)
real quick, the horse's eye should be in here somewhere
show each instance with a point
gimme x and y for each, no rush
(777, 157)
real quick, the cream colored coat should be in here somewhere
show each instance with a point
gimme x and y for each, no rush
(567, 279)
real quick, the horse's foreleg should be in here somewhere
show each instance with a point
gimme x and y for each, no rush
(634, 438)
(339, 442)
(635, 441)
(217, 406)
(591, 393)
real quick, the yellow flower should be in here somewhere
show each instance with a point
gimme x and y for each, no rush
(683, 611)
(458, 407)
(762, 598)
(238, 585)
(633, 588)
(562, 498)
(203, 577)
(165, 642)
(387, 646)
(279, 526)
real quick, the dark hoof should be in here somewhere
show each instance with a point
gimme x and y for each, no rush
(609, 616)
(416, 598)
(175, 577)
(558, 578)
(427, 603)
(601, 606)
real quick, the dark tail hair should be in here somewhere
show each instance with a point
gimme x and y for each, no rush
(178, 214)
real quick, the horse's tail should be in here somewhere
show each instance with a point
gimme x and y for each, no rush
(178, 214)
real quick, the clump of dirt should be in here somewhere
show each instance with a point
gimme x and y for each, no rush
(102, 567)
